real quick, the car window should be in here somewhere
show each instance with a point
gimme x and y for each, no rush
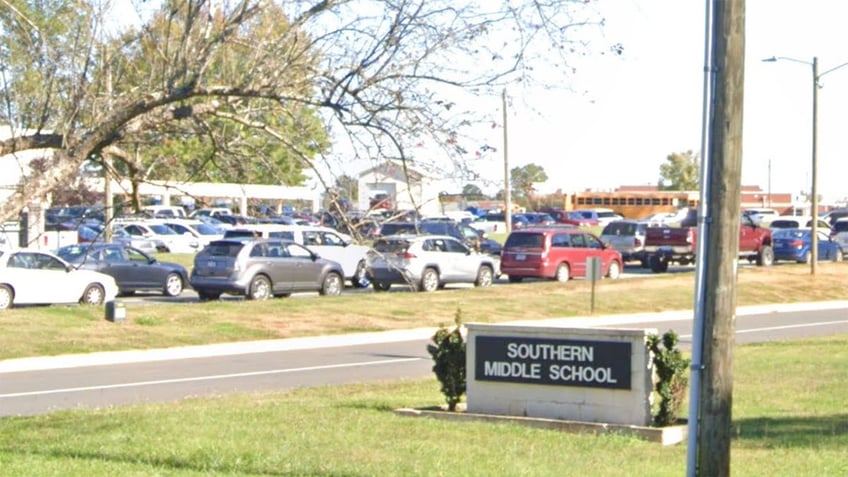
(526, 240)
(112, 254)
(312, 238)
(784, 224)
(561, 240)
(222, 249)
(283, 235)
(295, 250)
(259, 250)
(46, 262)
(136, 255)
(592, 241)
(578, 240)
(392, 246)
(20, 260)
(455, 247)
(332, 239)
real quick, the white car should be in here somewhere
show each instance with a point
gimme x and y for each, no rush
(326, 242)
(428, 262)
(158, 231)
(29, 277)
(201, 231)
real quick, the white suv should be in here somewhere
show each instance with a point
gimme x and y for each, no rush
(326, 242)
(428, 262)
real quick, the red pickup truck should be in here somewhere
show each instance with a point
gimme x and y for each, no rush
(664, 245)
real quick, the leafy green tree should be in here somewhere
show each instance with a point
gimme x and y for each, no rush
(523, 181)
(681, 171)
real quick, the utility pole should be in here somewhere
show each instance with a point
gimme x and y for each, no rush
(507, 185)
(715, 367)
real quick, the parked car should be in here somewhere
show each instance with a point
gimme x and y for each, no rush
(326, 242)
(29, 277)
(427, 263)
(556, 253)
(602, 216)
(538, 218)
(839, 233)
(761, 215)
(570, 218)
(796, 245)
(658, 219)
(158, 231)
(797, 222)
(199, 230)
(262, 268)
(835, 214)
(628, 237)
(132, 269)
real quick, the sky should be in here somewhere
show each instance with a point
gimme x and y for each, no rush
(620, 116)
(635, 110)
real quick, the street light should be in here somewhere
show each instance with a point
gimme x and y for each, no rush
(814, 205)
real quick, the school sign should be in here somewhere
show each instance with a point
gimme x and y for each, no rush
(582, 374)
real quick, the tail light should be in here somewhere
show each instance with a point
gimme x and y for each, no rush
(690, 236)
(407, 256)
(796, 243)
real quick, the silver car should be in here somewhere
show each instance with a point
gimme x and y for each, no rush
(262, 268)
(628, 237)
(427, 263)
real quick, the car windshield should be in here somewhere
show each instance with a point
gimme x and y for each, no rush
(222, 249)
(71, 252)
(162, 229)
(620, 228)
(840, 226)
(785, 224)
(391, 246)
(525, 240)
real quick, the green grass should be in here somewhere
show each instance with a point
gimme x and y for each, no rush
(73, 329)
(789, 419)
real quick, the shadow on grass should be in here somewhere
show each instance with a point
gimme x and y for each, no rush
(156, 465)
(793, 431)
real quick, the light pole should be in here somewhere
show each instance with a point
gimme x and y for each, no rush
(814, 199)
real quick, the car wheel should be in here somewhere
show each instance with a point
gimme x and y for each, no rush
(563, 273)
(93, 295)
(807, 258)
(173, 284)
(513, 279)
(766, 256)
(259, 289)
(484, 276)
(381, 286)
(659, 265)
(838, 257)
(614, 271)
(429, 280)
(332, 284)
(6, 297)
(207, 295)
(360, 276)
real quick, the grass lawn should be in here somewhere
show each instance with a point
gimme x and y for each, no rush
(789, 420)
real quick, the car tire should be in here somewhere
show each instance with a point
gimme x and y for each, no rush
(93, 295)
(807, 258)
(766, 256)
(173, 285)
(332, 285)
(429, 280)
(360, 276)
(659, 265)
(563, 273)
(485, 276)
(513, 279)
(7, 298)
(259, 289)
(207, 295)
(282, 295)
(381, 286)
(614, 271)
(838, 257)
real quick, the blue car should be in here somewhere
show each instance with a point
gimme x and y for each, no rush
(795, 245)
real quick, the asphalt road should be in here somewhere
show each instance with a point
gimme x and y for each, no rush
(41, 385)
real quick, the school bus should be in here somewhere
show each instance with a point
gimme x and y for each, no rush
(633, 204)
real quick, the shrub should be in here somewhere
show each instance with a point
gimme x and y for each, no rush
(448, 352)
(670, 367)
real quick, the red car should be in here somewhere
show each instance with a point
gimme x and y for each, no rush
(556, 253)
(570, 218)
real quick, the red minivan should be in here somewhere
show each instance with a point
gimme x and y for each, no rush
(557, 252)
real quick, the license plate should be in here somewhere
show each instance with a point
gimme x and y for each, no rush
(520, 256)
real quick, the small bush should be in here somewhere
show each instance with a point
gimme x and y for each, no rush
(448, 352)
(670, 367)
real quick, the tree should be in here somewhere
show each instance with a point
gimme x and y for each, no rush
(472, 192)
(523, 181)
(681, 171)
(259, 83)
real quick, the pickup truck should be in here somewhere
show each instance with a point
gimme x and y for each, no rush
(664, 245)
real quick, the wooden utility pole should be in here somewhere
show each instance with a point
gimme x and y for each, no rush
(725, 157)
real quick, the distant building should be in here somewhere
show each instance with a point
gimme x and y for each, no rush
(399, 188)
